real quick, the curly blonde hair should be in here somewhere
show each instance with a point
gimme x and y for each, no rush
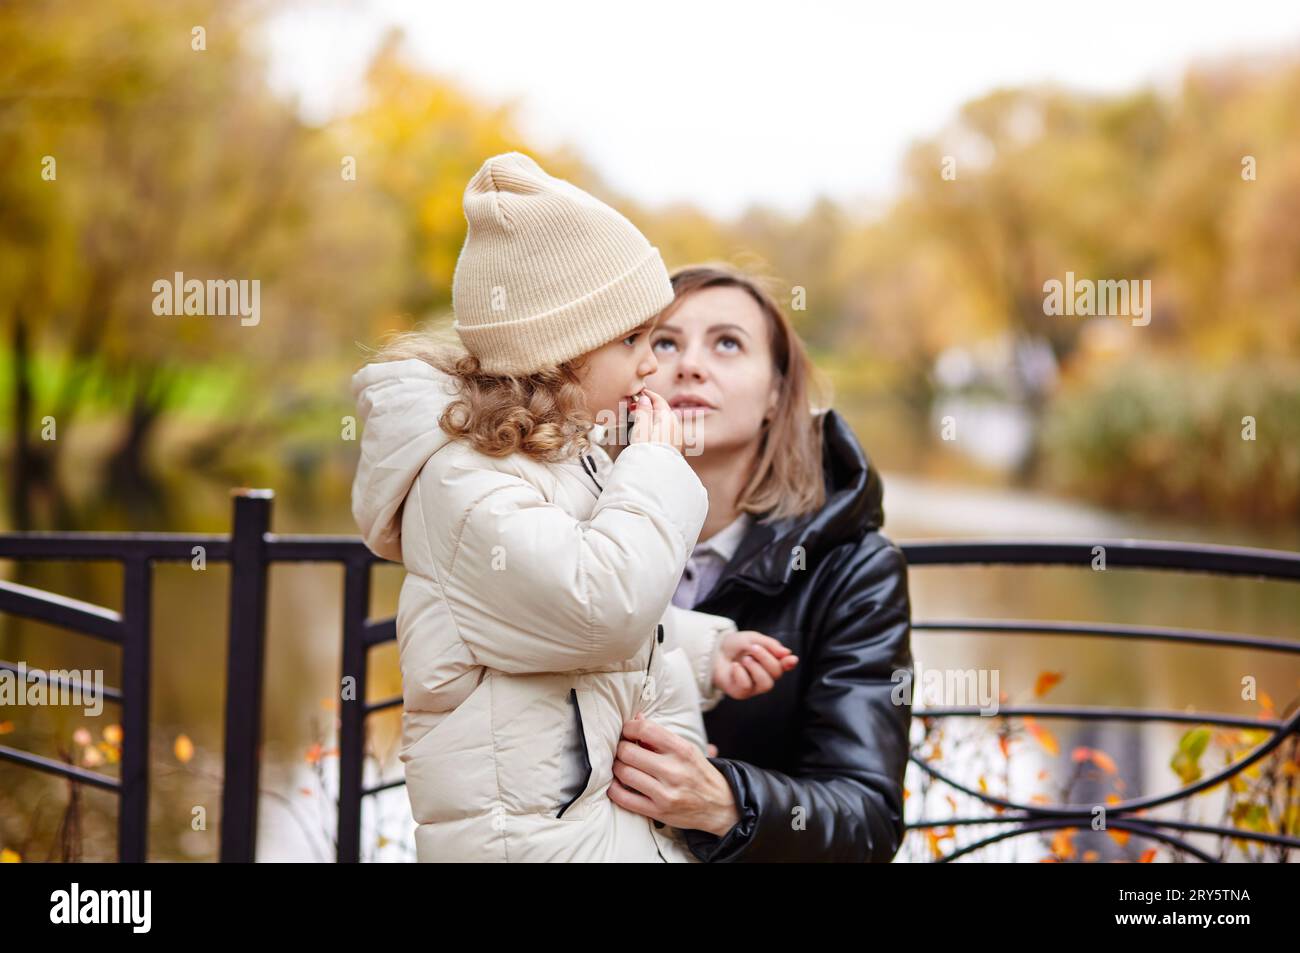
(543, 414)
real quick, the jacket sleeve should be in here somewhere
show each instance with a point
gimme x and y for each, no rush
(532, 589)
(675, 704)
(699, 636)
(843, 801)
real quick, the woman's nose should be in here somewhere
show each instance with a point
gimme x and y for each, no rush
(689, 363)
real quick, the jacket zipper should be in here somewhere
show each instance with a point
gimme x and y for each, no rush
(592, 472)
(589, 467)
(659, 637)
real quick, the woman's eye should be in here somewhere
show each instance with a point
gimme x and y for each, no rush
(630, 338)
(733, 340)
(664, 341)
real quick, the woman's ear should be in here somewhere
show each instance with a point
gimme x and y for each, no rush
(773, 398)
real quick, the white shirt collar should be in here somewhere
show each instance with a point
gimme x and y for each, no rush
(725, 541)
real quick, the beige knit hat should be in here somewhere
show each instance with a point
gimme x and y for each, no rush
(547, 271)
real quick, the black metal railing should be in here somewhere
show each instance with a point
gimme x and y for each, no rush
(251, 549)
(1027, 818)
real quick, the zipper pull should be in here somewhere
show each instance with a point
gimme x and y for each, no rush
(648, 687)
(587, 461)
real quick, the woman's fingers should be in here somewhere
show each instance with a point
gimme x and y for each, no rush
(638, 780)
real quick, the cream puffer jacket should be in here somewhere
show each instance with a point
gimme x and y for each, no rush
(533, 621)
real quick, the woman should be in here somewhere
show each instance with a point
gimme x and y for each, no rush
(813, 768)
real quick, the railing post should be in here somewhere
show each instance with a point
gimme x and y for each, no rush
(244, 674)
(352, 708)
(133, 807)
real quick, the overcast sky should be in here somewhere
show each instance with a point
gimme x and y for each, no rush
(725, 103)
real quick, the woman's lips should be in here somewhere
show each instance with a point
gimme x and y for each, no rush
(691, 404)
(692, 410)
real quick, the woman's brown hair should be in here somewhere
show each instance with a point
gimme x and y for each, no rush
(788, 478)
(543, 415)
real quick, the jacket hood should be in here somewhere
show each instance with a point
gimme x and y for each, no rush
(854, 507)
(399, 404)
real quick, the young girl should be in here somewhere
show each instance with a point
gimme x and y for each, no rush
(535, 616)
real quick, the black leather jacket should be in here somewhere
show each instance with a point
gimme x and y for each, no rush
(816, 765)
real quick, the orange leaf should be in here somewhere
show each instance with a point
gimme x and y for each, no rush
(1063, 843)
(113, 734)
(1147, 856)
(935, 836)
(1118, 836)
(6, 727)
(1043, 736)
(1003, 744)
(313, 753)
(110, 752)
(1045, 682)
(183, 749)
(8, 856)
(1104, 761)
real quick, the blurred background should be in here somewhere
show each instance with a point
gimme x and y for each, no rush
(907, 181)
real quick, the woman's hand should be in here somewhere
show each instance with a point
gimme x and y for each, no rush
(655, 422)
(661, 775)
(749, 663)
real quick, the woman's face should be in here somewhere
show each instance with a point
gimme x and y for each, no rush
(715, 368)
(615, 371)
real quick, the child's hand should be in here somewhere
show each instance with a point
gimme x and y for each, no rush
(654, 421)
(749, 663)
